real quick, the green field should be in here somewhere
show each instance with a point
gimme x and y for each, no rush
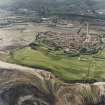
(66, 68)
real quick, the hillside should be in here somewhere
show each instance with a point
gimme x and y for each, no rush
(75, 6)
(82, 7)
(26, 86)
(52, 52)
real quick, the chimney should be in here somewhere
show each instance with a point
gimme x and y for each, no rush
(87, 28)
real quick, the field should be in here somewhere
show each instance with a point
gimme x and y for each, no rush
(66, 68)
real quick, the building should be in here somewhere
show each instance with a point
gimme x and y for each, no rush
(68, 41)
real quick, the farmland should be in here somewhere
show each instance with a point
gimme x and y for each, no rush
(64, 67)
(16, 37)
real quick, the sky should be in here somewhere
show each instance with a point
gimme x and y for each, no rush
(5, 1)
